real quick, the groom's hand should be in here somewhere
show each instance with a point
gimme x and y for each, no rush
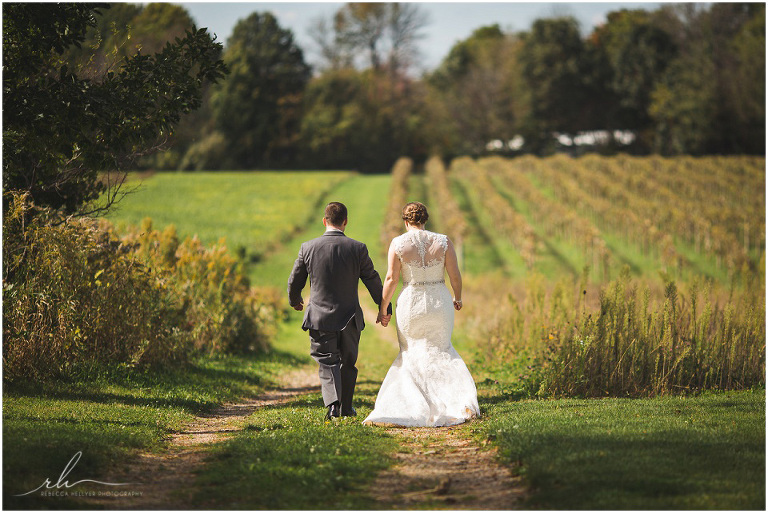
(299, 306)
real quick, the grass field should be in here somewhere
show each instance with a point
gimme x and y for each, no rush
(365, 202)
(252, 211)
(705, 452)
(697, 452)
(109, 413)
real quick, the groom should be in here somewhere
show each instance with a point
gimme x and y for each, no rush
(334, 263)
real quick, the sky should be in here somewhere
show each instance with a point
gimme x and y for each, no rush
(448, 22)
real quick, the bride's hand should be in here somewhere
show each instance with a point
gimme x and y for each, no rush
(457, 304)
(383, 318)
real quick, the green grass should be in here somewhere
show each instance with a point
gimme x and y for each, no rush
(628, 253)
(417, 190)
(289, 458)
(483, 246)
(42, 433)
(250, 209)
(480, 255)
(705, 452)
(702, 452)
(110, 413)
(366, 201)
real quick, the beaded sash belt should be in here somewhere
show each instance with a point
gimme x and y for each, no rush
(423, 282)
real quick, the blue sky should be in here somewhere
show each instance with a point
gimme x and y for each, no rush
(448, 22)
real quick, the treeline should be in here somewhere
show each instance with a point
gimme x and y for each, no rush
(682, 79)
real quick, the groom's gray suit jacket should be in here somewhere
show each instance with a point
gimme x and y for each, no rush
(333, 263)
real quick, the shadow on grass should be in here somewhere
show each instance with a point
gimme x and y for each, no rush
(195, 387)
(492, 257)
(192, 405)
(703, 452)
(110, 411)
(667, 470)
(289, 458)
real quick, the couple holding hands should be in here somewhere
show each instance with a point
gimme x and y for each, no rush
(428, 384)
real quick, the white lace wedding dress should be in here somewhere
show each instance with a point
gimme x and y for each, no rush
(428, 383)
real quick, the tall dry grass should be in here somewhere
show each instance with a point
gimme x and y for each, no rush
(453, 221)
(74, 293)
(398, 195)
(626, 338)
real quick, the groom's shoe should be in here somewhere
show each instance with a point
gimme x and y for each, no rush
(351, 412)
(333, 411)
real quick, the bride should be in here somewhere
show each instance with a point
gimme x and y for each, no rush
(428, 384)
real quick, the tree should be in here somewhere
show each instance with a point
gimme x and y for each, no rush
(60, 130)
(386, 33)
(405, 23)
(552, 61)
(362, 25)
(747, 93)
(361, 120)
(477, 95)
(258, 109)
(333, 54)
(157, 23)
(106, 43)
(462, 55)
(683, 106)
(637, 52)
(737, 37)
(711, 99)
(125, 30)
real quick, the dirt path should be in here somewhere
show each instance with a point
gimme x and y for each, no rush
(162, 480)
(440, 469)
(437, 468)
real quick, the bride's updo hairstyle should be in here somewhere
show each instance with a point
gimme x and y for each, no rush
(415, 213)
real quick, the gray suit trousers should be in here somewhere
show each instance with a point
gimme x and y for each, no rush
(336, 354)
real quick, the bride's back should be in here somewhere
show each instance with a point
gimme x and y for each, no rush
(422, 255)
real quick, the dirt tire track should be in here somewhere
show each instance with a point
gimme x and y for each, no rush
(451, 472)
(161, 480)
(437, 468)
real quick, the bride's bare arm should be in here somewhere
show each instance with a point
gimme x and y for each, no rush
(390, 282)
(452, 266)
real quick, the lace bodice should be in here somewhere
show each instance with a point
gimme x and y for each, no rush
(428, 384)
(422, 256)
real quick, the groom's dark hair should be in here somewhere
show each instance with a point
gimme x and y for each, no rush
(336, 213)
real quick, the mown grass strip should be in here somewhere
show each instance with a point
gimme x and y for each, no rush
(509, 258)
(556, 256)
(365, 198)
(251, 209)
(480, 254)
(289, 458)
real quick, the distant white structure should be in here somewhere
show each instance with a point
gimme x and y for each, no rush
(516, 143)
(494, 145)
(595, 138)
(585, 138)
